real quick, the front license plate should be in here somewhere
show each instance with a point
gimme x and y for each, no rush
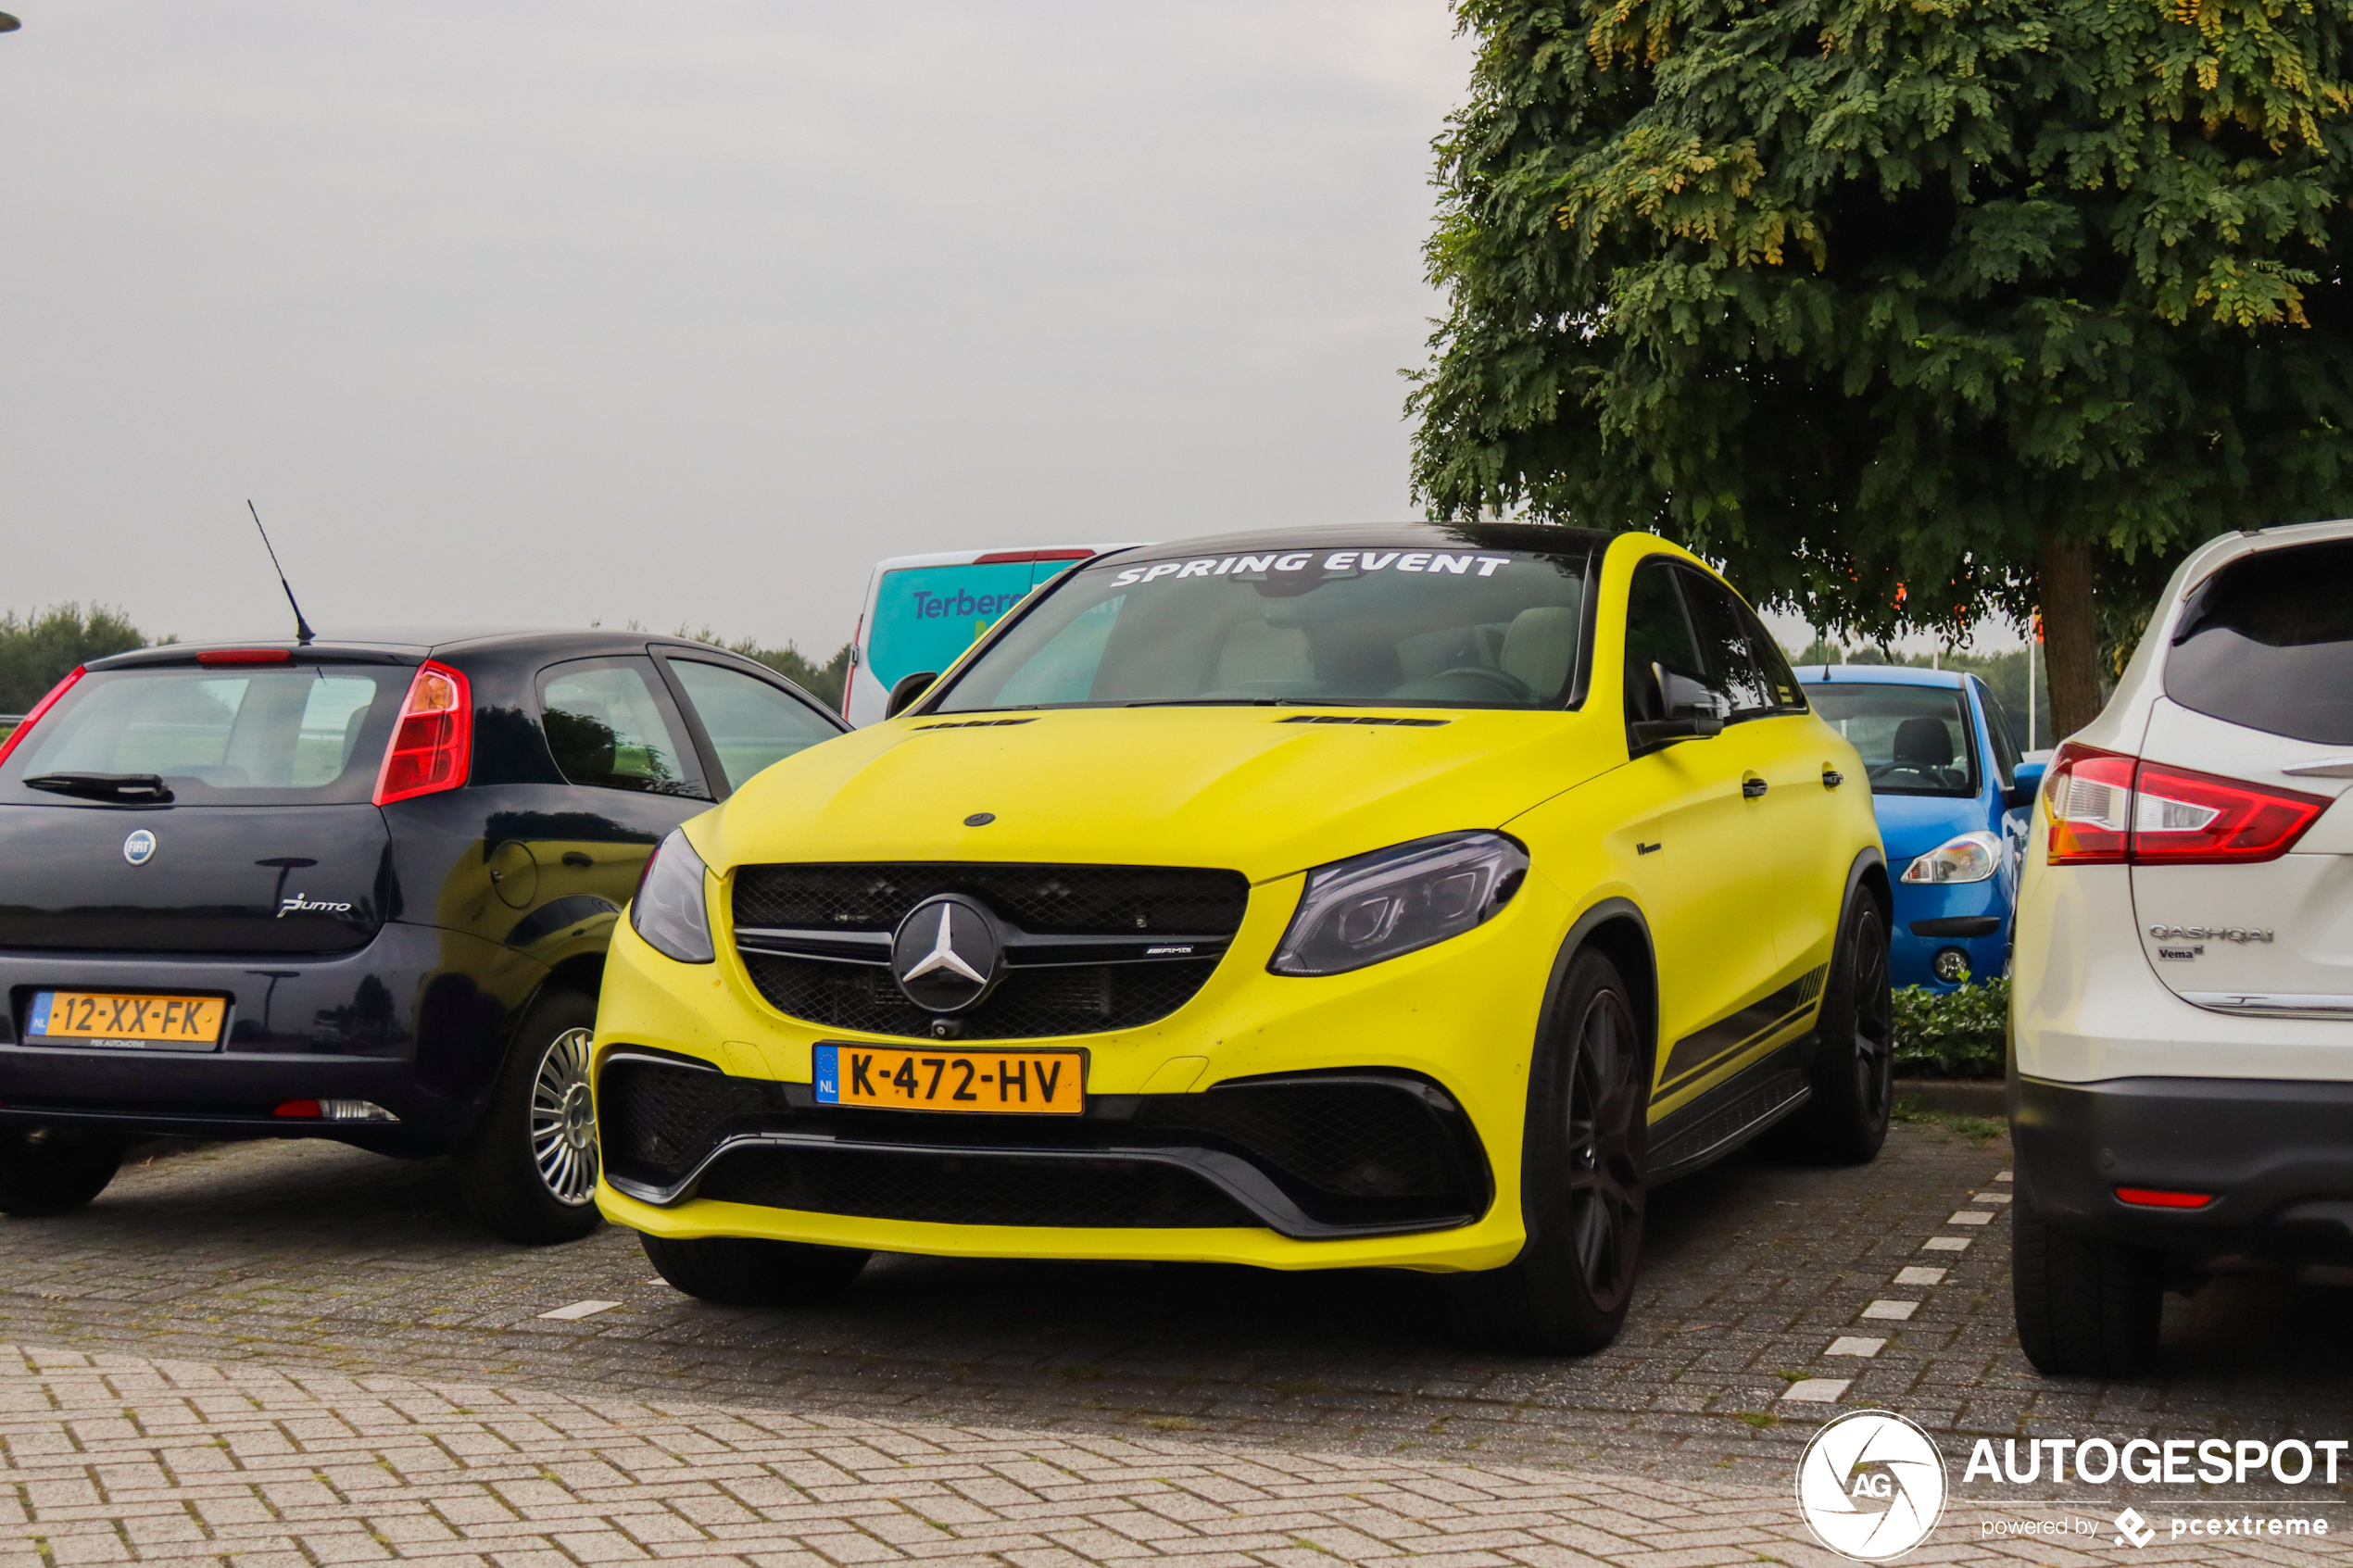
(116, 1021)
(1019, 1082)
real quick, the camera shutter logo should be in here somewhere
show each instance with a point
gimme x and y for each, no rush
(140, 848)
(1871, 1486)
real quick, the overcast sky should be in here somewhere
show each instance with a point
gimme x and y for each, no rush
(688, 312)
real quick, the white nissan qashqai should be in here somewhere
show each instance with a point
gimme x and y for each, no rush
(2181, 1075)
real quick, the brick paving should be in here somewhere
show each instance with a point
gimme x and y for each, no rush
(316, 1279)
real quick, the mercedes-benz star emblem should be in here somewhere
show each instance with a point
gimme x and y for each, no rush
(946, 954)
(140, 848)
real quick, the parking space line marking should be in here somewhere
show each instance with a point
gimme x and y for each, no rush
(1946, 1244)
(1989, 1198)
(581, 1310)
(1972, 1217)
(1854, 1345)
(1916, 1275)
(1817, 1391)
(1899, 1310)
(2001, 1175)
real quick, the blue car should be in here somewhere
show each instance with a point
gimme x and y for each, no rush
(1952, 794)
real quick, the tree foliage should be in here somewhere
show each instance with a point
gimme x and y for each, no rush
(37, 651)
(1878, 302)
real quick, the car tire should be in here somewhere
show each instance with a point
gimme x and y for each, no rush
(49, 1170)
(1853, 1076)
(742, 1272)
(529, 1173)
(1582, 1181)
(2084, 1307)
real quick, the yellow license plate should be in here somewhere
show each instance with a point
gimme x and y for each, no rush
(1001, 1083)
(129, 1022)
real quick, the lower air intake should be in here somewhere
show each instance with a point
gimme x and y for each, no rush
(994, 1189)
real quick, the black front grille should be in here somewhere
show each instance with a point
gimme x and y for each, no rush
(954, 1189)
(656, 1122)
(1034, 1000)
(1048, 900)
(1027, 1004)
(1349, 1139)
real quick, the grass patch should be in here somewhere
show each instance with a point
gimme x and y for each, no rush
(1758, 1419)
(1981, 1130)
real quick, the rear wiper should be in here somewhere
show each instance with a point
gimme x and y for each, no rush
(139, 788)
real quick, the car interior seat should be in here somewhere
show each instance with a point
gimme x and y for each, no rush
(1254, 654)
(1923, 747)
(1540, 647)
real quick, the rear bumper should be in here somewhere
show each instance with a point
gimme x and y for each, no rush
(2277, 1156)
(415, 1021)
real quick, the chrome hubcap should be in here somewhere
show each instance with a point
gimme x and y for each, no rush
(563, 1121)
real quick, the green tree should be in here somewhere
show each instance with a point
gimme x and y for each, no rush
(37, 651)
(1908, 313)
(825, 681)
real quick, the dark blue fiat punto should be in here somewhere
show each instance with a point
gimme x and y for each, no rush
(356, 888)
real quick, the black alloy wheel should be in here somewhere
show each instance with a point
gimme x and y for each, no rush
(1583, 1183)
(1854, 1071)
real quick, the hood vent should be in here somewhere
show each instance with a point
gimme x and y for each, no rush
(1364, 719)
(977, 723)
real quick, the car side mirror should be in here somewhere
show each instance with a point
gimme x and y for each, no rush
(2026, 778)
(1647, 733)
(904, 694)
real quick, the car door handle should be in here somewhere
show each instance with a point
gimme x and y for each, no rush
(1752, 788)
(1832, 778)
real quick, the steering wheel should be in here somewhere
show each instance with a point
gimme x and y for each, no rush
(1502, 681)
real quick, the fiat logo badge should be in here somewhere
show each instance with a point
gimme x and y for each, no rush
(140, 848)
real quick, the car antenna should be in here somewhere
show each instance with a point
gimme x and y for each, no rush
(303, 633)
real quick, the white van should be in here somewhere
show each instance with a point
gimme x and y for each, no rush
(923, 611)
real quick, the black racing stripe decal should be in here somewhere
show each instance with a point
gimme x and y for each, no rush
(1694, 1053)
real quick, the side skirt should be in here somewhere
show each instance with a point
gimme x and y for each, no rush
(1729, 1114)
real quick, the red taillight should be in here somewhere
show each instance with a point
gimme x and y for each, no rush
(434, 738)
(307, 1107)
(2152, 1197)
(2107, 809)
(40, 708)
(245, 656)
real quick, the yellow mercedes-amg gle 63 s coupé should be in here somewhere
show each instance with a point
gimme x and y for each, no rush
(1413, 897)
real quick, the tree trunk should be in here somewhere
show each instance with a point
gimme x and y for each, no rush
(2070, 634)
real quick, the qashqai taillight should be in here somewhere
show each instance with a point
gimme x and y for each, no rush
(2107, 809)
(433, 739)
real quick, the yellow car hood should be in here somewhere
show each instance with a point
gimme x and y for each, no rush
(1255, 789)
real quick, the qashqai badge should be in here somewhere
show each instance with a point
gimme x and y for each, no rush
(947, 954)
(140, 848)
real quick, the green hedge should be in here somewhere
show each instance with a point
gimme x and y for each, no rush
(1961, 1034)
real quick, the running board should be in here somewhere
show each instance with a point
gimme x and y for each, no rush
(1726, 1117)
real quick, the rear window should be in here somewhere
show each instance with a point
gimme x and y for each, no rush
(233, 736)
(1915, 740)
(1453, 627)
(2267, 642)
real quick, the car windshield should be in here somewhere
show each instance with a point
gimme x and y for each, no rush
(233, 735)
(1915, 740)
(1448, 626)
(2268, 641)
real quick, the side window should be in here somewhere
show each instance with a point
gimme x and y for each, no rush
(1998, 733)
(751, 724)
(1773, 664)
(1732, 669)
(609, 725)
(1665, 677)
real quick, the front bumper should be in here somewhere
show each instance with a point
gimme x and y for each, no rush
(2277, 1156)
(1459, 1019)
(414, 1022)
(1972, 916)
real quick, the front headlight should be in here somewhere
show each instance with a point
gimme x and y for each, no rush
(1972, 856)
(1373, 907)
(668, 910)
